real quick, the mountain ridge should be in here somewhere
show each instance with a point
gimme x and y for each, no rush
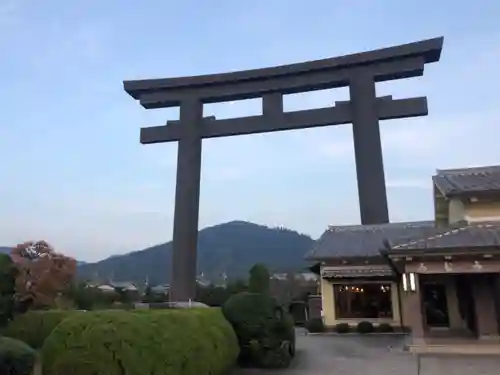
(5, 249)
(230, 248)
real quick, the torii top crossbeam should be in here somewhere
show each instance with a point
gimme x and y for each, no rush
(397, 62)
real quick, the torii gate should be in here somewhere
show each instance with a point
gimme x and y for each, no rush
(358, 71)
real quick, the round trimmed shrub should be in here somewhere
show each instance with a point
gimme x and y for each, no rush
(342, 328)
(315, 325)
(365, 327)
(16, 357)
(219, 330)
(180, 342)
(385, 328)
(266, 333)
(34, 327)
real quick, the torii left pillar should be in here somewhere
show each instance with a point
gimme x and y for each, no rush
(187, 200)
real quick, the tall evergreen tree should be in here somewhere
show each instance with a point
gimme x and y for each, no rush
(259, 279)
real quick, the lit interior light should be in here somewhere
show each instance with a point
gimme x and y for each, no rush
(405, 282)
(413, 285)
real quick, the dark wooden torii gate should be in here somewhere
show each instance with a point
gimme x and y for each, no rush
(359, 72)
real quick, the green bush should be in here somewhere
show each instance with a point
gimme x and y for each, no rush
(16, 357)
(315, 325)
(219, 330)
(34, 327)
(342, 328)
(365, 327)
(155, 342)
(266, 333)
(385, 328)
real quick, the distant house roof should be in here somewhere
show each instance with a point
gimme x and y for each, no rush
(106, 288)
(363, 240)
(279, 276)
(306, 276)
(124, 285)
(461, 235)
(468, 181)
(162, 288)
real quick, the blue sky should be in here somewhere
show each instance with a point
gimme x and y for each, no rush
(74, 173)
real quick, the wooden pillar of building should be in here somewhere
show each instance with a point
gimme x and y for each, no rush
(412, 311)
(484, 301)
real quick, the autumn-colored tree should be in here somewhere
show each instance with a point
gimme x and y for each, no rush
(43, 274)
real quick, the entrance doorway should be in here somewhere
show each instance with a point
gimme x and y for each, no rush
(466, 302)
(435, 305)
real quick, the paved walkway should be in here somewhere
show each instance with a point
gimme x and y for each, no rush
(374, 355)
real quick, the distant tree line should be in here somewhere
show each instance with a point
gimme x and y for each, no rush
(35, 276)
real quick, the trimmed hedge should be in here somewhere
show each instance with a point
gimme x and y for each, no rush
(265, 331)
(365, 327)
(34, 327)
(16, 357)
(155, 342)
(384, 328)
(342, 328)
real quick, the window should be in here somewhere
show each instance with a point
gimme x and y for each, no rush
(363, 301)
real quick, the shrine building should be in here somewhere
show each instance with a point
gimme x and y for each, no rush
(438, 278)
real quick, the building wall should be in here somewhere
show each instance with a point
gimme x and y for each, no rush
(413, 314)
(486, 210)
(484, 301)
(441, 208)
(456, 210)
(482, 211)
(328, 303)
(435, 275)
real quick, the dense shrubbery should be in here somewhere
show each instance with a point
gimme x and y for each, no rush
(342, 328)
(265, 331)
(177, 342)
(315, 325)
(35, 326)
(16, 357)
(8, 273)
(365, 327)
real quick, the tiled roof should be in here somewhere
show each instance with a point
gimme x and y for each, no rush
(363, 240)
(468, 180)
(474, 235)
